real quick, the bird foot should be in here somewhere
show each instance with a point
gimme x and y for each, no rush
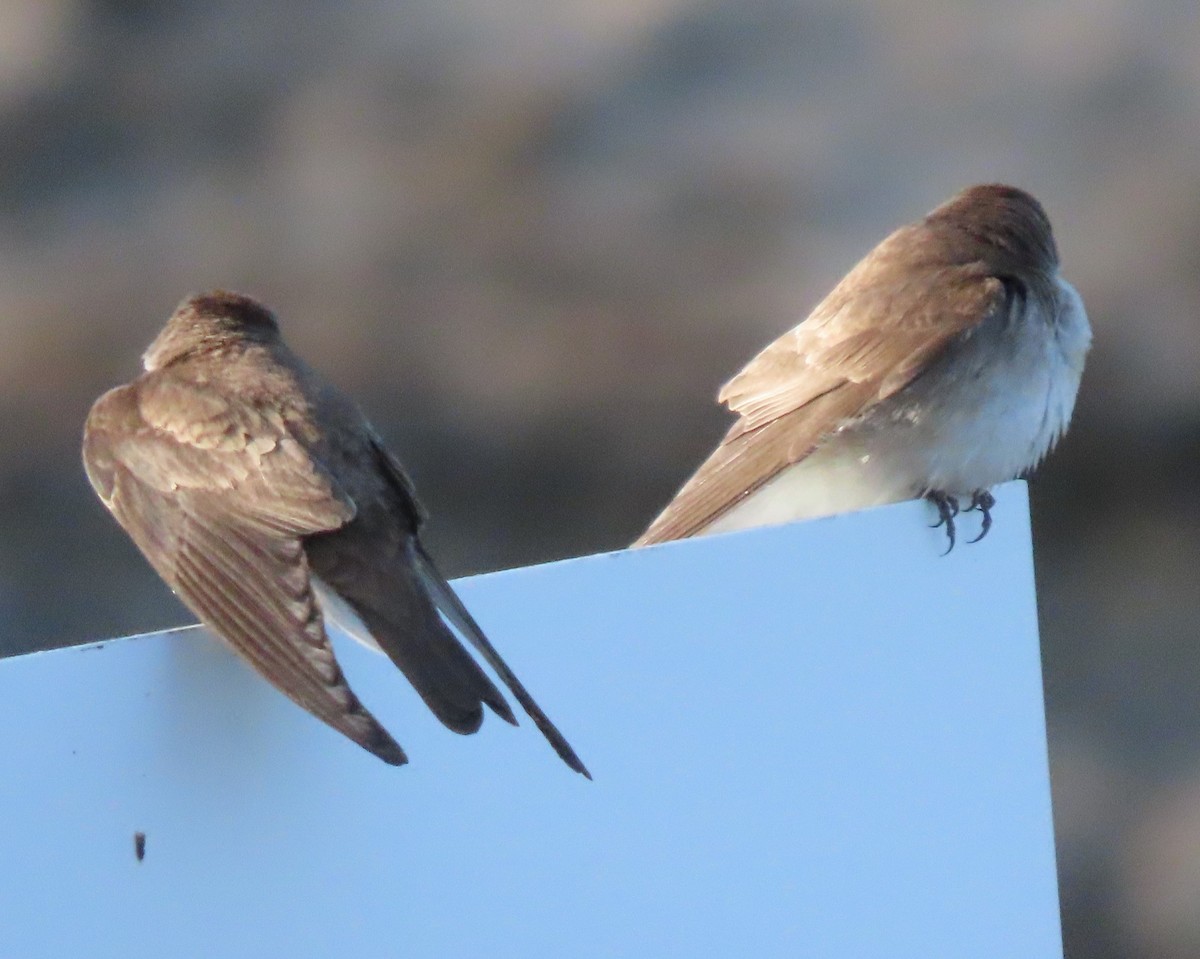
(948, 508)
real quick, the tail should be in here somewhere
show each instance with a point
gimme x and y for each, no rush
(449, 603)
(394, 606)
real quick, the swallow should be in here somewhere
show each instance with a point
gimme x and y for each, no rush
(947, 361)
(254, 488)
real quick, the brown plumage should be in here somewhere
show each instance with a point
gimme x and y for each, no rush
(980, 269)
(242, 476)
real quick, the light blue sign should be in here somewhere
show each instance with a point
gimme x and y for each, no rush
(821, 740)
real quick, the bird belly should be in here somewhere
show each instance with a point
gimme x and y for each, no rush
(837, 478)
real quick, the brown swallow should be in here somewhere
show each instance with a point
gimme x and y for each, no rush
(248, 482)
(945, 362)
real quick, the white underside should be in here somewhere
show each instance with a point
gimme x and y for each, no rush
(1002, 411)
(337, 612)
(834, 479)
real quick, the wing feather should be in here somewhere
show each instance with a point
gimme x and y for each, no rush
(219, 507)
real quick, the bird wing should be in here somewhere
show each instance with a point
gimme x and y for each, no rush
(876, 332)
(217, 494)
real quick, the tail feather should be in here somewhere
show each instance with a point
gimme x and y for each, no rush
(446, 678)
(391, 611)
(449, 603)
(394, 593)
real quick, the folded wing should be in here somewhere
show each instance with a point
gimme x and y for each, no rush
(218, 496)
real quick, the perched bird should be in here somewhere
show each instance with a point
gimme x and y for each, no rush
(945, 362)
(251, 486)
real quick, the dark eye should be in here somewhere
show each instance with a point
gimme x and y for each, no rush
(1015, 289)
(1016, 293)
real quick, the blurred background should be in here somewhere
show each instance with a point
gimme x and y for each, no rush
(533, 239)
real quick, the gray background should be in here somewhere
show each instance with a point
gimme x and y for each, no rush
(533, 238)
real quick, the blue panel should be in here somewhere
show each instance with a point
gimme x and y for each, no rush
(816, 740)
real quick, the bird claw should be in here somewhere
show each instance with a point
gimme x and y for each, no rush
(947, 507)
(983, 501)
